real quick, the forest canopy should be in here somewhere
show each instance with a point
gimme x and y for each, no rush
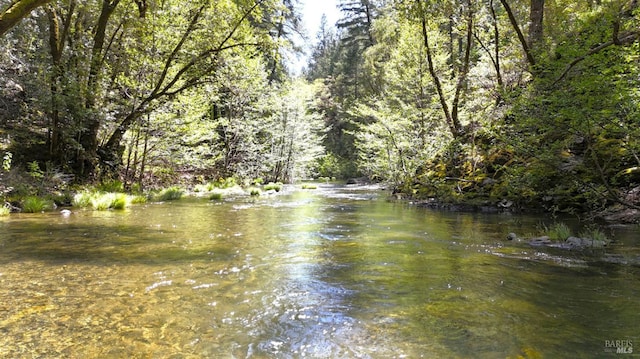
(495, 101)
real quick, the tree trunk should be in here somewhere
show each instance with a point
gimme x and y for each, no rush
(496, 39)
(89, 136)
(516, 27)
(434, 75)
(18, 10)
(451, 116)
(462, 77)
(55, 135)
(536, 15)
(57, 38)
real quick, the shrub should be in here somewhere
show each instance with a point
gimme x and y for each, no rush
(35, 204)
(111, 186)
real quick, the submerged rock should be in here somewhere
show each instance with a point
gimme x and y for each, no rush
(540, 241)
(575, 242)
(570, 243)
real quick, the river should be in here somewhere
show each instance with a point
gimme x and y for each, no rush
(336, 272)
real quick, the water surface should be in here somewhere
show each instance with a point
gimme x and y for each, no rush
(337, 272)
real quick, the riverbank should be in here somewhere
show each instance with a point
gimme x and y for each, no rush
(621, 212)
(615, 206)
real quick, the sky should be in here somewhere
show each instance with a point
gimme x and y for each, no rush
(312, 11)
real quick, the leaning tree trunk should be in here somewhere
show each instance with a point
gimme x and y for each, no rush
(514, 23)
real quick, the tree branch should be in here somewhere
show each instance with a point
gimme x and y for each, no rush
(163, 89)
(625, 39)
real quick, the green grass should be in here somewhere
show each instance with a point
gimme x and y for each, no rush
(559, 231)
(111, 186)
(138, 199)
(101, 201)
(216, 196)
(595, 234)
(82, 199)
(309, 186)
(273, 186)
(34, 204)
(253, 191)
(4, 211)
(120, 201)
(170, 194)
(106, 201)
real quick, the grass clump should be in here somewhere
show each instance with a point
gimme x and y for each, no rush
(101, 201)
(82, 199)
(216, 196)
(138, 199)
(34, 204)
(120, 201)
(273, 186)
(106, 201)
(254, 192)
(594, 234)
(309, 186)
(559, 231)
(4, 211)
(170, 194)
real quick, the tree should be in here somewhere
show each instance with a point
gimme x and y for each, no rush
(451, 113)
(282, 24)
(177, 76)
(322, 62)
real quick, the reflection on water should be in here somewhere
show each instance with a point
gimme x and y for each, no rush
(336, 272)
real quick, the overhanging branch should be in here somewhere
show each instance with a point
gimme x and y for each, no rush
(624, 39)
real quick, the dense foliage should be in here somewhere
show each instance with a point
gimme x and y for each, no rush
(509, 102)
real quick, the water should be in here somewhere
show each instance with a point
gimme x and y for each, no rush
(336, 272)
